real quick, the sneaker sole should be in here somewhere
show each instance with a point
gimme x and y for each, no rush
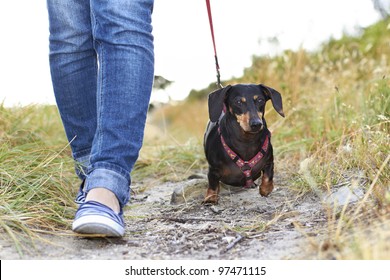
(96, 224)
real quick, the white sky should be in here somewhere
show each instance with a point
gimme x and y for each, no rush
(183, 46)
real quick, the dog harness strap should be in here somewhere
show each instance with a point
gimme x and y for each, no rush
(246, 166)
(235, 159)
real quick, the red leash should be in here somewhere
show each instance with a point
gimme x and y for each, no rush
(215, 49)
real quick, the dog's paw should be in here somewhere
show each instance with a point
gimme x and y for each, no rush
(266, 186)
(211, 197)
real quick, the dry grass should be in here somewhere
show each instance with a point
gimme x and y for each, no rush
(35, 174)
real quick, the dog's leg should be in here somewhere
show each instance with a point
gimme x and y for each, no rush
(267, 183)
(214, 187)
(211, 196)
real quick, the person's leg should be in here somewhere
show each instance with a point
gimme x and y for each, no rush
(73, 65)
(102, 85)
(124, 44)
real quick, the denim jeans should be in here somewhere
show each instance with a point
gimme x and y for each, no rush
(102, 66)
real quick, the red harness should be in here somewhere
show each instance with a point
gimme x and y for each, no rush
(246, 166)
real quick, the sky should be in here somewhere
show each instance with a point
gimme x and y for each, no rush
(183, 46)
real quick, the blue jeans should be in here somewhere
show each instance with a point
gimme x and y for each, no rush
(102, 66)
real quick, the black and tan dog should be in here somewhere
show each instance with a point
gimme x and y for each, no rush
(237, 142)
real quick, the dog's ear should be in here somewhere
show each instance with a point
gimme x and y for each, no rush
(276, 98)
(216, 101)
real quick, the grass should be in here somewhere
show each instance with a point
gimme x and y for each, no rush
(337, 105)
(35, 174)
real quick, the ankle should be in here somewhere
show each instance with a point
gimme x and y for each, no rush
(105, 197)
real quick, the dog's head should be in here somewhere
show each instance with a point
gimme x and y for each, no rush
(246, 102)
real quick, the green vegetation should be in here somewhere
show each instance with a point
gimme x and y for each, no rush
(35, 174)
(337, 104)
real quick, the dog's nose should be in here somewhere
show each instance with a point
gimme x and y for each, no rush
(255, 124)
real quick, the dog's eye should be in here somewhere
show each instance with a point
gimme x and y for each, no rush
(240, 101)
(259, 101)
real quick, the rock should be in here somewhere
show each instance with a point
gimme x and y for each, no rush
(189, 191)
(349, 190)
(216, 209)
(345, 195)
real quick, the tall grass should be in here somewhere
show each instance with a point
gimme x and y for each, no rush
(35, 174)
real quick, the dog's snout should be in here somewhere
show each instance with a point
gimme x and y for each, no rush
(255, 123)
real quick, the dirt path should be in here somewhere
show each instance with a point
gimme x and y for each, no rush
(161, 226)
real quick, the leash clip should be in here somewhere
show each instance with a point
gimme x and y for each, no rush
(218, 73)
(245, 167)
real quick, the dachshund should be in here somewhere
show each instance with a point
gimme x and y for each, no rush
(237, 143)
